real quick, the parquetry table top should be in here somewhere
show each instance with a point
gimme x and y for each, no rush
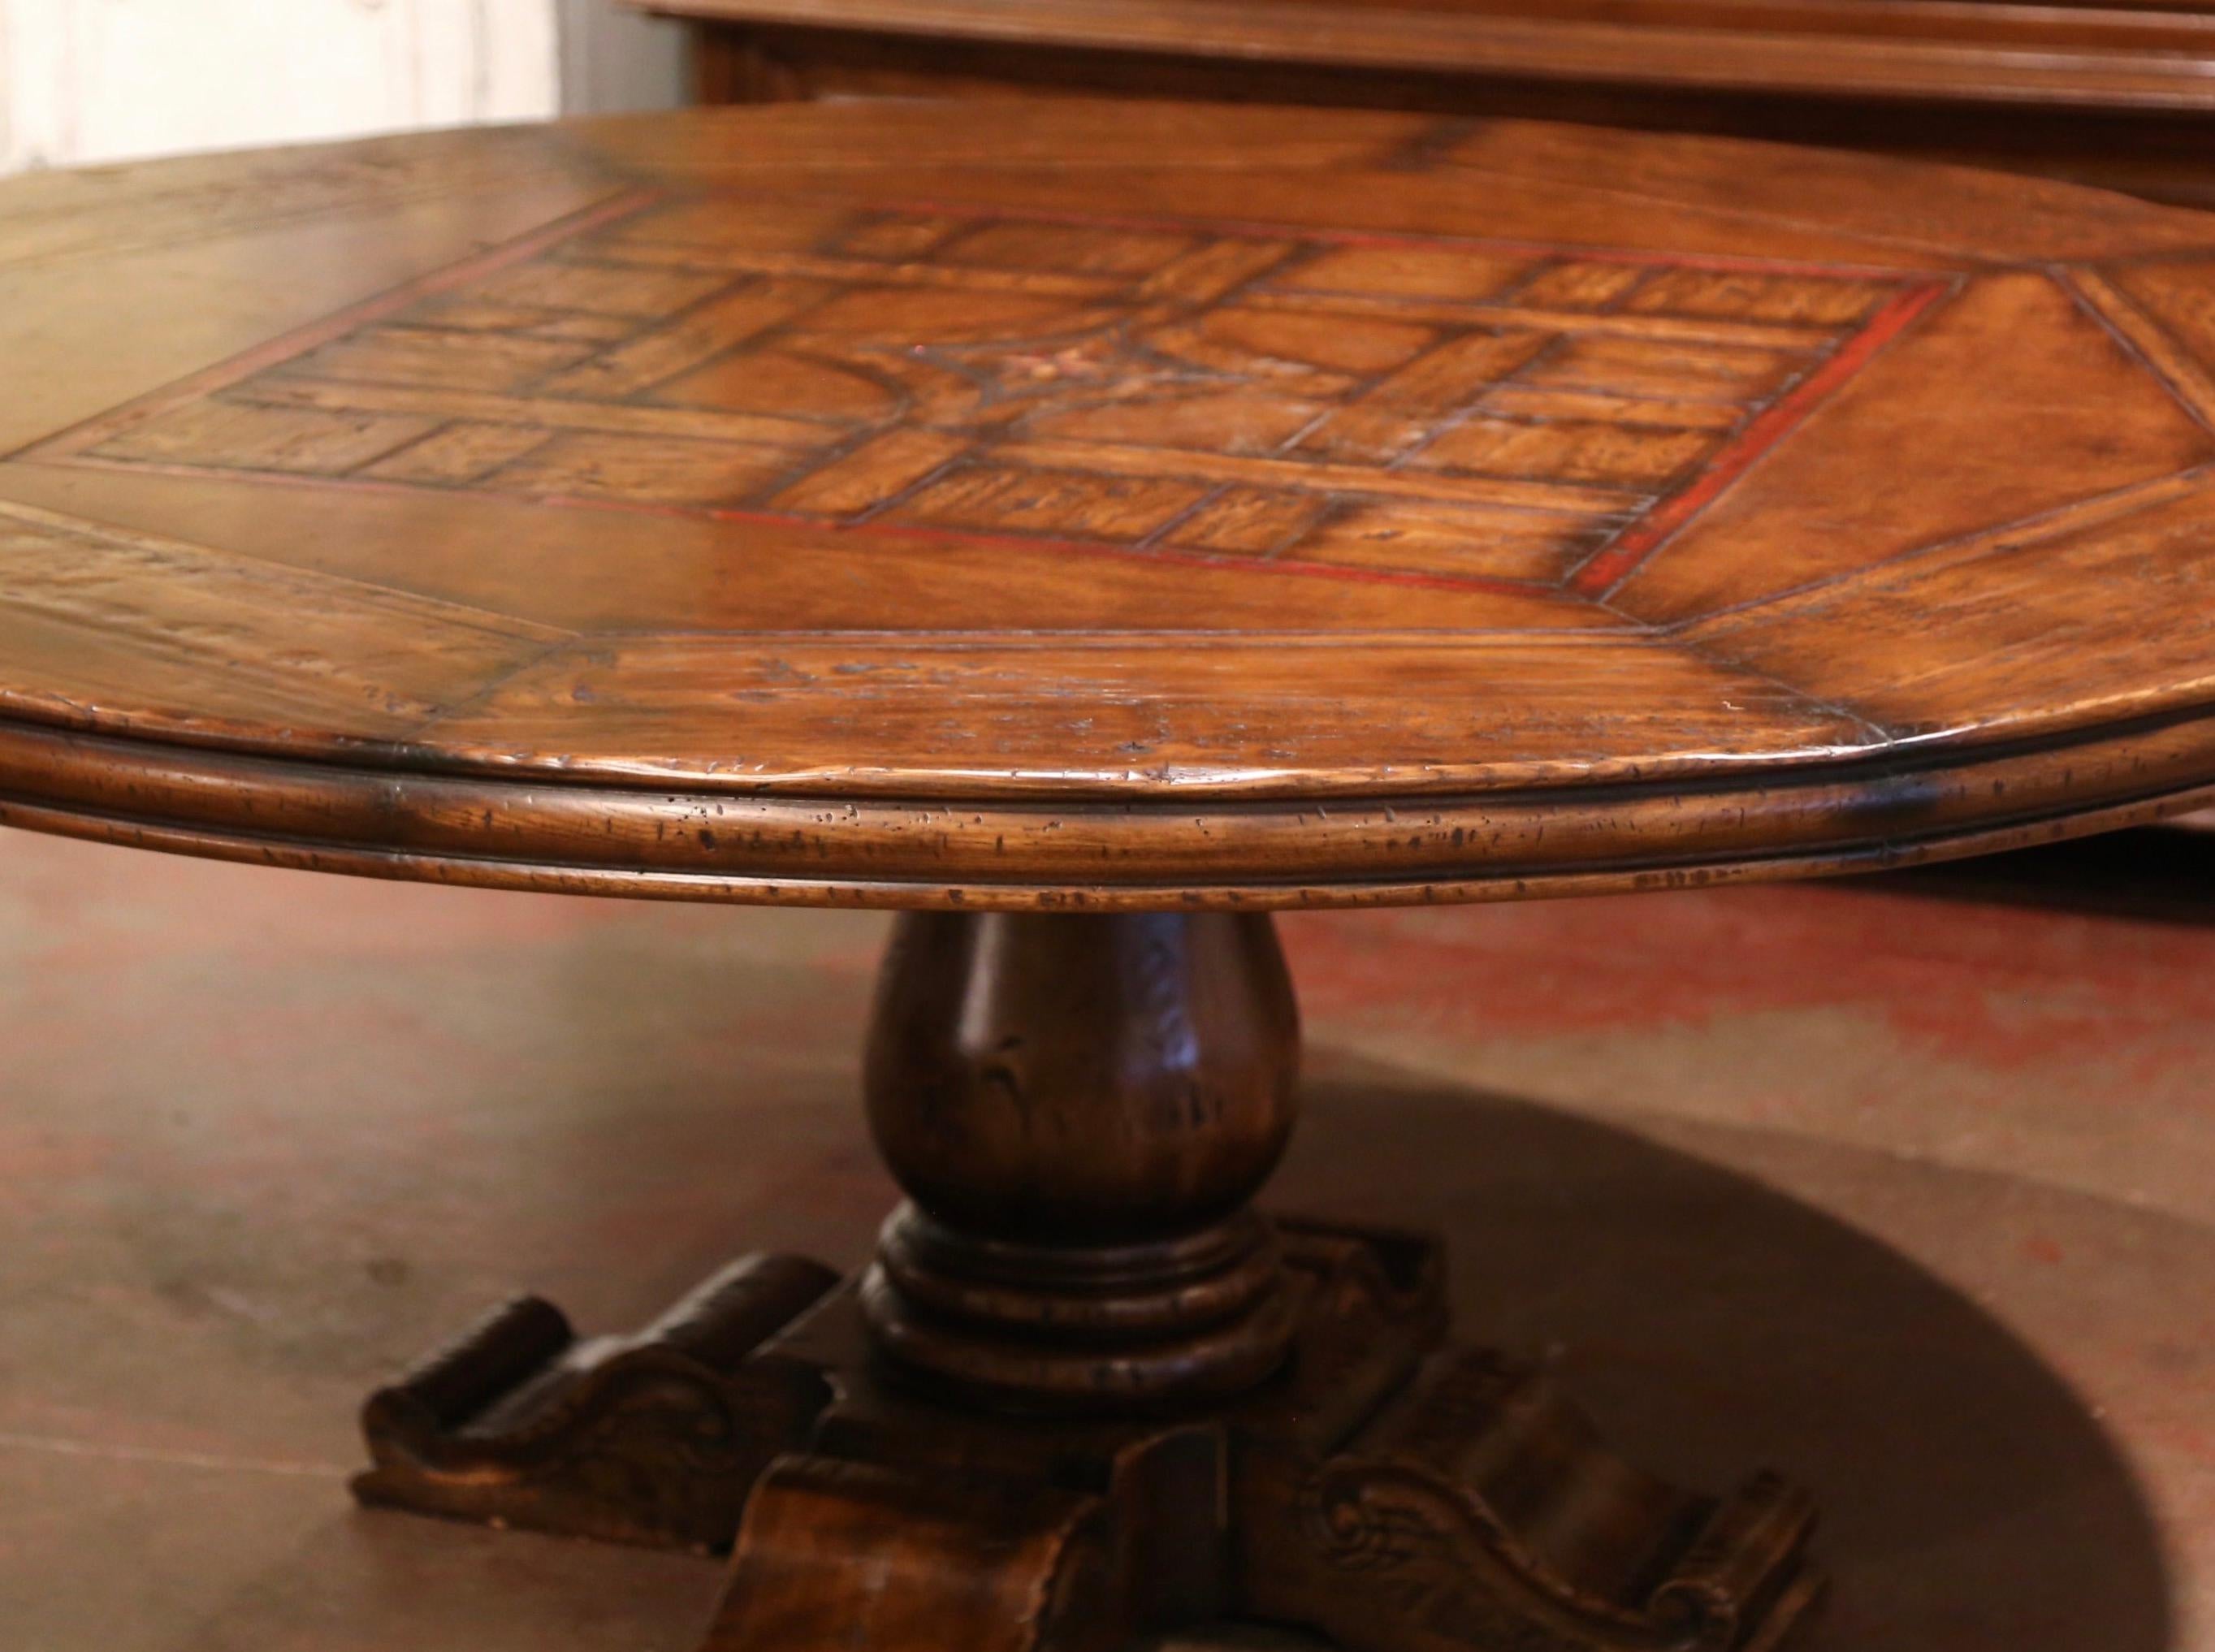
(1091, 503)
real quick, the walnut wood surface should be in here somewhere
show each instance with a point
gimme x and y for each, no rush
(1097, 504)
(2134, 56)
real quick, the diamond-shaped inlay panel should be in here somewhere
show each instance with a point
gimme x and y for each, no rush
(1450, 408)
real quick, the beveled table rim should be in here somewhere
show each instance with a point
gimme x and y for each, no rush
(1099, 852)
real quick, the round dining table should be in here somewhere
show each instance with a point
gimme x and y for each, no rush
(1088, 528)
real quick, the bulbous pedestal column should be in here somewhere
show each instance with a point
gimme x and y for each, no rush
(1080, 1110)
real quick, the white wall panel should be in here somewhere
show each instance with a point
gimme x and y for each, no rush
(92, 80)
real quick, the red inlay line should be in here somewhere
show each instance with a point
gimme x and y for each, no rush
(1617, 561)
(328, 329)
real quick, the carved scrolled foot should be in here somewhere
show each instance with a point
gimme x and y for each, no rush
(860, 1555)
(1479, 1512)
(653, 1438)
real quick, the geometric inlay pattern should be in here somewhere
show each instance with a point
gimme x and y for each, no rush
(1413, 407)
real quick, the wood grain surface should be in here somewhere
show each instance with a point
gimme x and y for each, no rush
(2154, 54)
(1089, 504)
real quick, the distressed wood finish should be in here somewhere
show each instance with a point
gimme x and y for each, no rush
(839, 504)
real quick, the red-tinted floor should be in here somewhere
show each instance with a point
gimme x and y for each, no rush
(1913, 1201)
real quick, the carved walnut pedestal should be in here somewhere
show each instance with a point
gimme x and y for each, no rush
(1085, 1391)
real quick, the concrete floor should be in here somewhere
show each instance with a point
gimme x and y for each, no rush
(1913, 1201)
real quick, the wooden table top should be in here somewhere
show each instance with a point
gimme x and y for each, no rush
(1097, 504)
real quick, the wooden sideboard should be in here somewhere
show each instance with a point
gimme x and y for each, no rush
(2101, 91)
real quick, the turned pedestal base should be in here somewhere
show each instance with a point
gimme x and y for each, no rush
(1085, 1392)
